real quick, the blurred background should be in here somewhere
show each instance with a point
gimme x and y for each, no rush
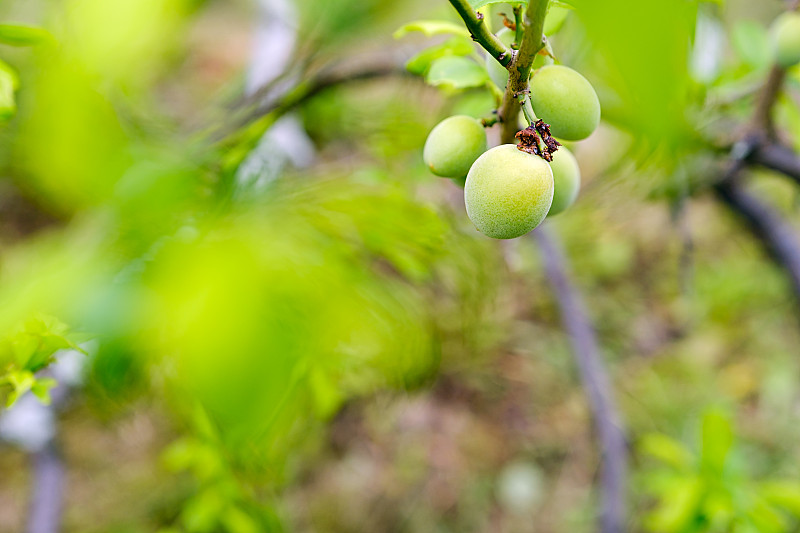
(233, 298)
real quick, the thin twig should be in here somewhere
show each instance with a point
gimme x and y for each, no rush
(480, 32)
(45, 507)
(594, 377)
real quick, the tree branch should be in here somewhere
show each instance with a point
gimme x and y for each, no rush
(762, 117)
(775, 234)
(777, 157)
(480, 32)
(520, 68)
(45, 509)
(595, 381)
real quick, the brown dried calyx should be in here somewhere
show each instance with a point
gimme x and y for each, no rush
(536, 140)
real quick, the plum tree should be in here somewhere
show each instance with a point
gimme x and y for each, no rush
(508, 192)
(785, 32)
(565, 100)
(453, 145)
(566, 179)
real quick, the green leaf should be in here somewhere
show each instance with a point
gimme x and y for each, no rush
(21, 382)
(666, 450)
(456, 73)
(717, 439)
(751, 42)
(431, 28)
(784, 494)
(455, 46)
(15, 35)
(677, 506)
(41, 389)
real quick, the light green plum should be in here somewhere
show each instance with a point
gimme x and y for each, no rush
(785, 33)
(566, 179)
(498, 73)
(453, 145)
(565, 100)
(508, 192)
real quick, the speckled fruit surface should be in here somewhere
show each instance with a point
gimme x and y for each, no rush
(508, 192)
(453, 145)
(565, 100)
(566, 180)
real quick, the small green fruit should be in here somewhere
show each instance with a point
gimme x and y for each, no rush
(508, 192)
(785, 32)
(498, 73)
(565, 100)
(566, 179)
(453, 145)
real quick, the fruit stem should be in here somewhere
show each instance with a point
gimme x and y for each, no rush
(520, 68)
(480, 32)
(527, 108)
(520, 24)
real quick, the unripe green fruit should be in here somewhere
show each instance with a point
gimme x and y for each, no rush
(565, 100)
(566, 179)
(453, 145)
(508, 192)
(498, 73)
(785, 33)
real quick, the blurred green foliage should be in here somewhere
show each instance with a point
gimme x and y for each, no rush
(253, 324)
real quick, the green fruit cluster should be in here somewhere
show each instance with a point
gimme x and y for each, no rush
(509, 190)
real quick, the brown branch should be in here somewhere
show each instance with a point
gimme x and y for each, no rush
(776, 235)
(520, 68)
(45, 506)
(596, 383)
(777, 157)
(762, 117)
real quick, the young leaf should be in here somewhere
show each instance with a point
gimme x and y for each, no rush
(666, 450)
(717, 439)
(456, 73)
(15, 35)
(431, 28)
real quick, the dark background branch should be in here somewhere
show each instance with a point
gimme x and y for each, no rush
(48, 485)
(595, 381)
(777, 237)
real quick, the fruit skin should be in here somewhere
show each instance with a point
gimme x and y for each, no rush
(785, 32)
(497, 72)
(453, 145)
(565, 100)
(566, 179)
(508, 192)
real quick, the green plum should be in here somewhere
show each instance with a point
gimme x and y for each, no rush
(565, 100)
(498, 73)
(453, 145)
(566, 179)
(785, 32)
(508, 192)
